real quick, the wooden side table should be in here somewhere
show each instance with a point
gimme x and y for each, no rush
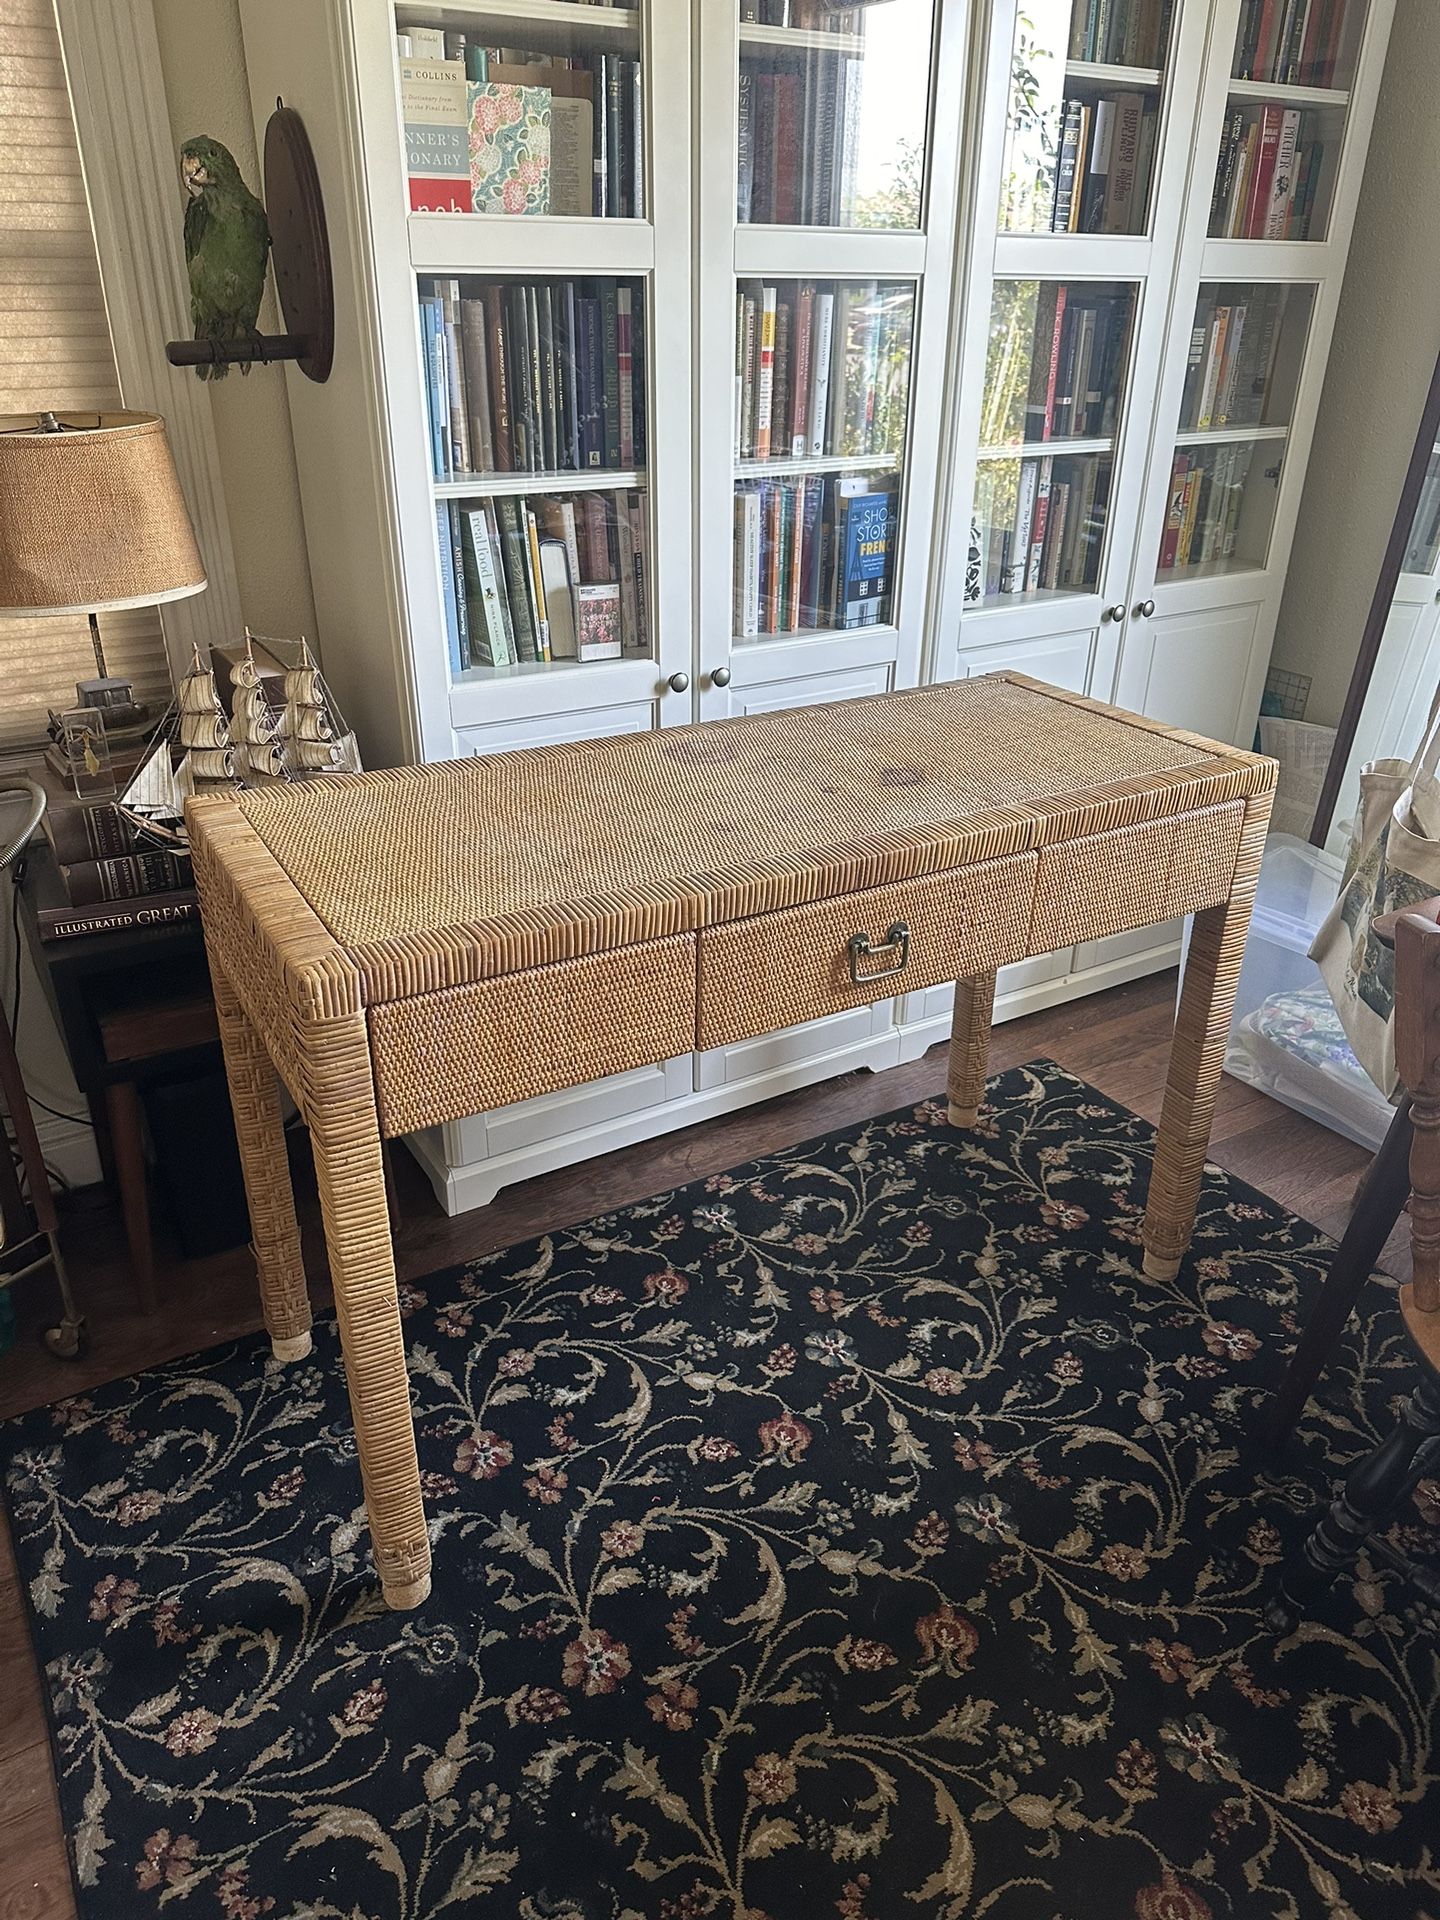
(131, 1006)
(404, 948)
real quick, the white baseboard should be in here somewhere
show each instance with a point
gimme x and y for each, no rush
(68, 1148)
(460, 1188)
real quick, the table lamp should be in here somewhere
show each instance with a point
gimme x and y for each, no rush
(92, 520)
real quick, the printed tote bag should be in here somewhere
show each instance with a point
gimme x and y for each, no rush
(1393, 863)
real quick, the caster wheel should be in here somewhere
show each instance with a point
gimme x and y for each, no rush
(66, 1342)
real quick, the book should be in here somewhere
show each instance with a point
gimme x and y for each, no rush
(598, 621)
(132, 876)
(490, 643)
(70, 922)
(509, 146)
(572, 141)
(448, 592)
(560, 604)
(868, 528)
(434, 108)
(765, 372)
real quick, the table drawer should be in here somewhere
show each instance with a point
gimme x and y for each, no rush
(1136, 876)
(779, 969)
(467, 1049)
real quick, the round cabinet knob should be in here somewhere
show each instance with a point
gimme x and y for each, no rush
(1117, 614)
(720, 677)
(1143, 609)
(679, 683)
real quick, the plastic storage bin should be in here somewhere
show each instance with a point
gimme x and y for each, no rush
(1286, 1036)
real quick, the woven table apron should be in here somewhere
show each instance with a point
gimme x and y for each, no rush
(406, 948)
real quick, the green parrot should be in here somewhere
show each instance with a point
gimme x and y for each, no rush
(227, 244)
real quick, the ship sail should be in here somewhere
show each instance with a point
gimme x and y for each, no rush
(254, 727)
(154, 802)
(308, 731)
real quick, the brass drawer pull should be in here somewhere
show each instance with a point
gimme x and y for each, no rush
(896, 941)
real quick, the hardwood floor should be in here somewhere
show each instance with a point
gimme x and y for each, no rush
(1118, 1041)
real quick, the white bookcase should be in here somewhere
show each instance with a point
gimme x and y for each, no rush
(911, 229)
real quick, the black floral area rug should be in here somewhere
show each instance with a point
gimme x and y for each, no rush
(856, 1534)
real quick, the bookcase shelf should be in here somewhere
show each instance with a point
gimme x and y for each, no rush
(1040, 449)
(883, 633)
(817, 463)
(1220, 436)
(545, 26)
(1097, 73)
(545, 244)
(807, 38)
(1287, 96)
(483, 486)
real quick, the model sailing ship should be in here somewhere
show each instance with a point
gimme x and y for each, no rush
(258, 744)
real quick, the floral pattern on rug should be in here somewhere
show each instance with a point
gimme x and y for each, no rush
(856, 1534)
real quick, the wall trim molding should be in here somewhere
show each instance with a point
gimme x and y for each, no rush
(112, 61)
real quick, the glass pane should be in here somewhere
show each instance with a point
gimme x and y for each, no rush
(1055, 378)
(833, 106)
(534, 376)
(822, 397)
(536, 578)
(1247, 347)
(1424, 548)
(1085, 81)
(551, 122)
(1276, 170)
(1305, 43)
(1221, 507)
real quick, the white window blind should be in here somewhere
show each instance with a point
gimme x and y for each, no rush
(55, 352)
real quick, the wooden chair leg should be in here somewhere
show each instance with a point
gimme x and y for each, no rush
(350, 1171)
(1373, 1490)
(260, 1135)
(127, 1138)
(1202, 1032)
(1381, 1202)
(970, 1047)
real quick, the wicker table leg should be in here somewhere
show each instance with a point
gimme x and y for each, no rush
(350, 1170)
(1202, 1031)
(255, 1099)
(970, 1047)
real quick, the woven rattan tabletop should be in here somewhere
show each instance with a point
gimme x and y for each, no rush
(522, 858)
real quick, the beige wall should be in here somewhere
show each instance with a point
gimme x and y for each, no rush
(1386, 340)
(203, 59)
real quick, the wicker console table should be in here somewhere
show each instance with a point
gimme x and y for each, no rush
(406, 948)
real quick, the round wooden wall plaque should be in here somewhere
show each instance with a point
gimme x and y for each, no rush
(299, 240)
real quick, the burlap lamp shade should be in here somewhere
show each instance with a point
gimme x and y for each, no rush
(92, 518)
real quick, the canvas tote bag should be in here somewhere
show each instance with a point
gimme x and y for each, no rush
(1393, 863)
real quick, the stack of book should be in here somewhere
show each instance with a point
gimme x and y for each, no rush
(1207, 491)
(812, 554)
(1268, 174)
(799, 135)
(1292, 42)
(500, 130)
(1078, 353)
(544, 578)
(1047, 533)
(1103, 166)
(531, 376)
(822, 369)
(102, 879)
(1232, 358)
(1120, 36)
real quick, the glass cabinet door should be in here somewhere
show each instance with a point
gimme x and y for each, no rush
(1242, 371)
(1285, 119)
(1086, 79)
(821, 414)
(832, 113)
(552, 122)
(1055, 377)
